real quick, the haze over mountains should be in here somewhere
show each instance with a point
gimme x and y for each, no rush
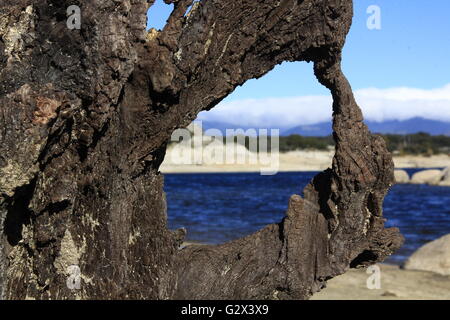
(410, 126)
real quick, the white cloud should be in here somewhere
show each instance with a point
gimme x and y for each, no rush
(377, 105)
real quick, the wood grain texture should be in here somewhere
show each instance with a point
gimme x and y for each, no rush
(85, 118)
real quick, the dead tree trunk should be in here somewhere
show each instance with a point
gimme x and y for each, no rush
(85, 118)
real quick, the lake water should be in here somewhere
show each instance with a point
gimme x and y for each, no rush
(220, 207)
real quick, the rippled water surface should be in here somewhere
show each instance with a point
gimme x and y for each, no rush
(216, 208)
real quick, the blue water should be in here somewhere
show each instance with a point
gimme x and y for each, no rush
(219, 207)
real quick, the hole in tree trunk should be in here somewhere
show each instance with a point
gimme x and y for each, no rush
(236, 204)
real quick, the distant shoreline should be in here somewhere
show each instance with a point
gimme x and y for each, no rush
(305, 161)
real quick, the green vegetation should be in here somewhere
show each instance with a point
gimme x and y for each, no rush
(410, 144)
(290, 143)
(419, 143)
(297, 142)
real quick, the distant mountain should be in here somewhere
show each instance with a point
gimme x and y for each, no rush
(314, 130)
(223, 126)
(413, 125)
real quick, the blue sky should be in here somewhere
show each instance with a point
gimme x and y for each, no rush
(410, 52)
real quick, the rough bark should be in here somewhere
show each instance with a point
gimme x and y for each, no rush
(85, 118)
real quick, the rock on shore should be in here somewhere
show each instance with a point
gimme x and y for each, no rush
(445, 178)
(434, 256)
(431, 177)
(427, 177)
(401, 176)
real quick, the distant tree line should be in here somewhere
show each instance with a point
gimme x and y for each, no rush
(410, 144)
(418, 144)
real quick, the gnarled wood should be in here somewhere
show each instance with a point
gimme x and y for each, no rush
(86, 115)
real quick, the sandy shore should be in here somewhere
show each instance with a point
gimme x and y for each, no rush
(437, 161)
(396, 284)
(295, 161)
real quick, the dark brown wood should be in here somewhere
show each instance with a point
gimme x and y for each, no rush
(85, 118)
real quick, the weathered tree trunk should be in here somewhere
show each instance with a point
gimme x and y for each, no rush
(85, 118)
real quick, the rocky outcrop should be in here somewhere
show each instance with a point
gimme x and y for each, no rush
(434, 256)
(432, 177)
(86, 116)
(445, 180)
(401, 176)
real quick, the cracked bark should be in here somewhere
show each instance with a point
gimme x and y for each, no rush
(85, 118)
